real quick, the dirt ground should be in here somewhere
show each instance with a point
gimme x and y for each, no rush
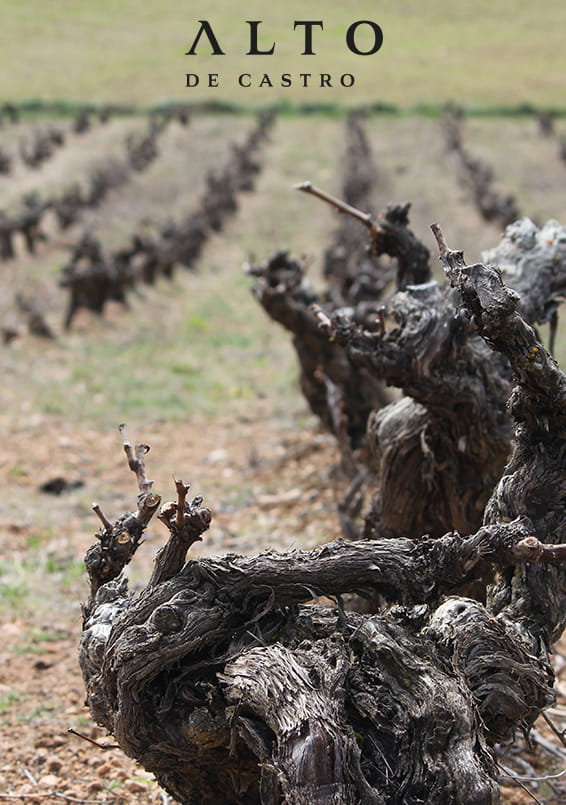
(265, 469)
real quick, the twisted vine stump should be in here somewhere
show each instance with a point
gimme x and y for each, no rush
(340, 392)
(434, 457)
(438, 451)
(533, 263)
(330, 382)
(446, 442)
(390, 235)
(221, 678)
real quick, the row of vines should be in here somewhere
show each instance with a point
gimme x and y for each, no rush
(448, 592)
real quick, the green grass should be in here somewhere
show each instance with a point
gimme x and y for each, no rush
(210, 355)
(35, 640)
(27, 581)
(7, 700)
(38, 110)
(120, 51)
(16, 471)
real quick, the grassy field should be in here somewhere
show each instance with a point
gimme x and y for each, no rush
(504, 53)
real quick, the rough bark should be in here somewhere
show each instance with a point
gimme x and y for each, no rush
(434, 457)
(534, 481)
(437, 452)
(223, 681)
(445, 443)
(390, 235)
(287, 296)
(533, 263)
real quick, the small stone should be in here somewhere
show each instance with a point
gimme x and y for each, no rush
(216, 456)
(135, 787)
(48, 781)
(117, 762)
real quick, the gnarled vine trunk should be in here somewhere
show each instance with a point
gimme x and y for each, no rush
(436, 453)
(225, 682)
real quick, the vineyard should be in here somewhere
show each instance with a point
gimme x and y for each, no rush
(160, 269)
